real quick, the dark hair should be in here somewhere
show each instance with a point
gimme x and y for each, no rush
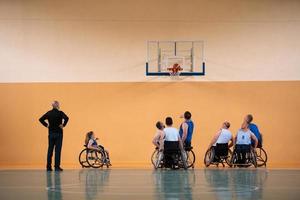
(227, 124)
(88, 137)
(159, 125)
(249, 118)
(187, 115)
(169, 121)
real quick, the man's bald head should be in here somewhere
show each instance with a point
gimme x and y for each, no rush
(55, 105)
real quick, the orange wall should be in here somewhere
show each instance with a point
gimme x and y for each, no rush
(123, 116)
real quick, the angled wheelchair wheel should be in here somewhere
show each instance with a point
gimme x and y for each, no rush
(190, 159)
(229, 157)
(253, 158)
(95, 158)
(262, 157)
(160, 156)
(184, 159)
(209, 156)
(233, 159)
(82, 159)
(154, 157)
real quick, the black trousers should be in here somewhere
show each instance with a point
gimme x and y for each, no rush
(55, 140)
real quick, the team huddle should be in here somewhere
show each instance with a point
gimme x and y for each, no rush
(247, 136)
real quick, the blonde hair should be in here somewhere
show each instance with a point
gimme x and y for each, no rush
(88, 137)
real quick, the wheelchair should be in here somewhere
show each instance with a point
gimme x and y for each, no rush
(243, 156)
(171, 157)
(190, 156)
(92, 158)
(219, 154)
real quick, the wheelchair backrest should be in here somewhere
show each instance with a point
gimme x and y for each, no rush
(221, 149)
(171, 146)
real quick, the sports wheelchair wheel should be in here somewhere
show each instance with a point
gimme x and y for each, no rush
(209, 156)
(95, 159)
(190, 158)
(154, 157)
(262, 157)
(82, 159)
(228, 159)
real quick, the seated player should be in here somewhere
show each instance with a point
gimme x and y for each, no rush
(172, 142)
(242, 142)
(91, 143)
(159, 135)
(186, 129)
(254, 129)
(171, 134)
(223, 136)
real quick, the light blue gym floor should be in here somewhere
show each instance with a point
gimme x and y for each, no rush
(149, 184)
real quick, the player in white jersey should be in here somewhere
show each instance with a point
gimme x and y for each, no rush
(242, 142)
(244, 136)
(223, 136)
(171, 134)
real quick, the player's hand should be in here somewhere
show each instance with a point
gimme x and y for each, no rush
(61, 126)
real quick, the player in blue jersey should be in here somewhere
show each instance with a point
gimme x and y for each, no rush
(254, 129)
(186, 129)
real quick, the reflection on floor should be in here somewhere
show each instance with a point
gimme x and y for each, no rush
(105, 184)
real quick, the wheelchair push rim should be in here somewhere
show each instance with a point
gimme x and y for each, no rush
(191, 158)
(209, 155)
(82, 159)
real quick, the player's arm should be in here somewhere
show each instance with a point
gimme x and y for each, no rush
(155, 139)
(43, 120)
(253, 137)
(234, 140)
(180, 143)
(185, 129)
(161, 140)
(231, 142)
(214, 140)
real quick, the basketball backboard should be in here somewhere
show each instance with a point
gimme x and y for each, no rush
(162, 55)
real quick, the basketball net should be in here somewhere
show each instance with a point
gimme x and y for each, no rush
(175, 70)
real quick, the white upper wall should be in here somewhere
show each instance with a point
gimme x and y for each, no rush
(105, 40)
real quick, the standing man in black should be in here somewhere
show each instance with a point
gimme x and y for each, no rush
(57, 120)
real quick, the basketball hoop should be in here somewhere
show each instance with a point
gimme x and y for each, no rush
(175, 70)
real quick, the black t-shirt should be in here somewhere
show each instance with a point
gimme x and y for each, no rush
(55, 118)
